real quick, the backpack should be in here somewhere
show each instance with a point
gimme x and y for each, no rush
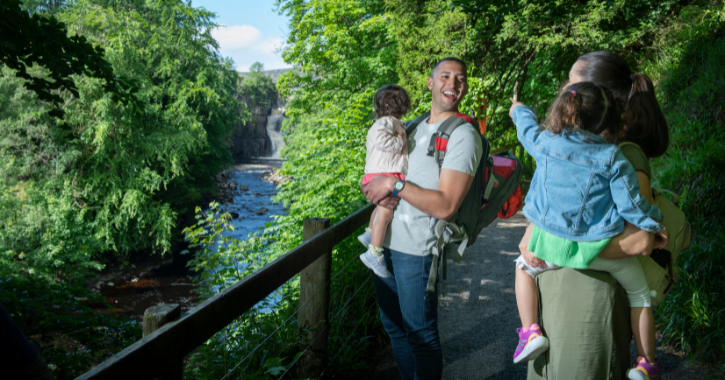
(495, 192)
(659, 268)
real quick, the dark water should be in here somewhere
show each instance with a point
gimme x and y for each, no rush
(170, 281)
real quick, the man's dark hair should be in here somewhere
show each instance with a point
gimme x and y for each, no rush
(454, 59)
(391, 100)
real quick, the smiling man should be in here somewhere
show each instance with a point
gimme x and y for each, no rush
(409, 313)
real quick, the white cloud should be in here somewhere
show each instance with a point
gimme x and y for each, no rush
(245, 44)
(236, 37)
(270, 46)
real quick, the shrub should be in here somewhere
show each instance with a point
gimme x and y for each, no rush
(57, 317)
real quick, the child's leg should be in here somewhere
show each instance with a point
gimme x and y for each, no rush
(629, 274)
(527, 298)
(372, 218)
(532, 341)
(643, 328)
(379, 225)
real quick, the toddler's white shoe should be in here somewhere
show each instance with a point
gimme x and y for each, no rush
(365, 239)
(377, 264)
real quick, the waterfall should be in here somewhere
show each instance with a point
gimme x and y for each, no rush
(274, 125)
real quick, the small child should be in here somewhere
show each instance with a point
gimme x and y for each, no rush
(581, 193)
(387, 154)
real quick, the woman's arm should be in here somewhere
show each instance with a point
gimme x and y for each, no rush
(631, 205)
(645, 189)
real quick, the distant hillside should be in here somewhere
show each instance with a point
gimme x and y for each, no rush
(272, 73)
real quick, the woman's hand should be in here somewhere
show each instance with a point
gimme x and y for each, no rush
(515, 104)
(662, 238)
(529, 257)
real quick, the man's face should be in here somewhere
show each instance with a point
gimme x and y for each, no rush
(449, 85)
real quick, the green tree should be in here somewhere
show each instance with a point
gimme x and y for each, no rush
(27, 40)
(257, 91)
(339, 48)
(118, 177)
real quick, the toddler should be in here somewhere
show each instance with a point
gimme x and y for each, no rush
(582, 192)
(387, 154)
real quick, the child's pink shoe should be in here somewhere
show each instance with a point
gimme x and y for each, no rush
(644, 371)
(532, 343)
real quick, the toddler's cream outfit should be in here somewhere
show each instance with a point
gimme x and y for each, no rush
(387, 150)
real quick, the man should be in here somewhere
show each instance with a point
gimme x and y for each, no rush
(409, 313)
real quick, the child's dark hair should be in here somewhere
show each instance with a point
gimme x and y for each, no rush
(391, 100)
(586, 106)
(645, 124)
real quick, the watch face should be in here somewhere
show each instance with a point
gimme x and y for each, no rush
(399, 185)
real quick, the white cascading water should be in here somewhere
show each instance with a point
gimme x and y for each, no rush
(274, 125)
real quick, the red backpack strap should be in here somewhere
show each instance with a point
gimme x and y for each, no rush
(438, 145)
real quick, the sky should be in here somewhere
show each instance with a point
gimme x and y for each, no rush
(252, 31)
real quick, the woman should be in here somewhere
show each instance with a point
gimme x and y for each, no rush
(646, 128)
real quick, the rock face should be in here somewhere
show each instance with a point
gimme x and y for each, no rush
(261, 136)
(227, 189)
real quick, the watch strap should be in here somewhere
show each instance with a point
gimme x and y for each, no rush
(395, 188)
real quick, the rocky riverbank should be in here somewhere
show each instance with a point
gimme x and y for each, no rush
(245, 192)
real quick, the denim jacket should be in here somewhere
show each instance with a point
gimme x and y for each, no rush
(583, 188)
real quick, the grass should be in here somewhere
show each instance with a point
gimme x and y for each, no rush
(691, 87)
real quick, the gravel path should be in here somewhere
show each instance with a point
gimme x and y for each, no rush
(478, 317)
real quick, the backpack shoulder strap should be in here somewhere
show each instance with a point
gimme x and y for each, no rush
(628, 143)
(438, 144)
(412, 124)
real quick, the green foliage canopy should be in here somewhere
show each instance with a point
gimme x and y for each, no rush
(115, 180)
(27, 39)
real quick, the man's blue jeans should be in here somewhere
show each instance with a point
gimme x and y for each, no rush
(410, 315)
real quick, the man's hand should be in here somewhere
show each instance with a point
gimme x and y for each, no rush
(378, 191)
(515, 104)
(529, 257)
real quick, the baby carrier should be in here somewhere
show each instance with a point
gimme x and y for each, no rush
(495, 192)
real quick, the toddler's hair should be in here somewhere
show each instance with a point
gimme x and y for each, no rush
(391, 100)
(586, 106)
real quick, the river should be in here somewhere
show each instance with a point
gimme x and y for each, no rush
(169, 281)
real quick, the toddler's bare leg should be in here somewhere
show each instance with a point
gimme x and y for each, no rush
(372, 218)
(380, 225)
(527, 298)
(643, 327)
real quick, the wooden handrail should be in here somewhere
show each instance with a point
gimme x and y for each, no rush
(154, 354)
(149, 357)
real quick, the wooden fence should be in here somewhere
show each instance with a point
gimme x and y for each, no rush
(161, 353)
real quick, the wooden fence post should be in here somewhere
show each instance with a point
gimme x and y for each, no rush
(153, 319)
(314, 315)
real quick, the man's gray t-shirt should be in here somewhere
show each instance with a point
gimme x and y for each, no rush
(411, 231)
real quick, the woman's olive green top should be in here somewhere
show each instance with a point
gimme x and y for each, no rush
(634, 154)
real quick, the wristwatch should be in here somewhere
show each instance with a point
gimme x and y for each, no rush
(398, 187)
